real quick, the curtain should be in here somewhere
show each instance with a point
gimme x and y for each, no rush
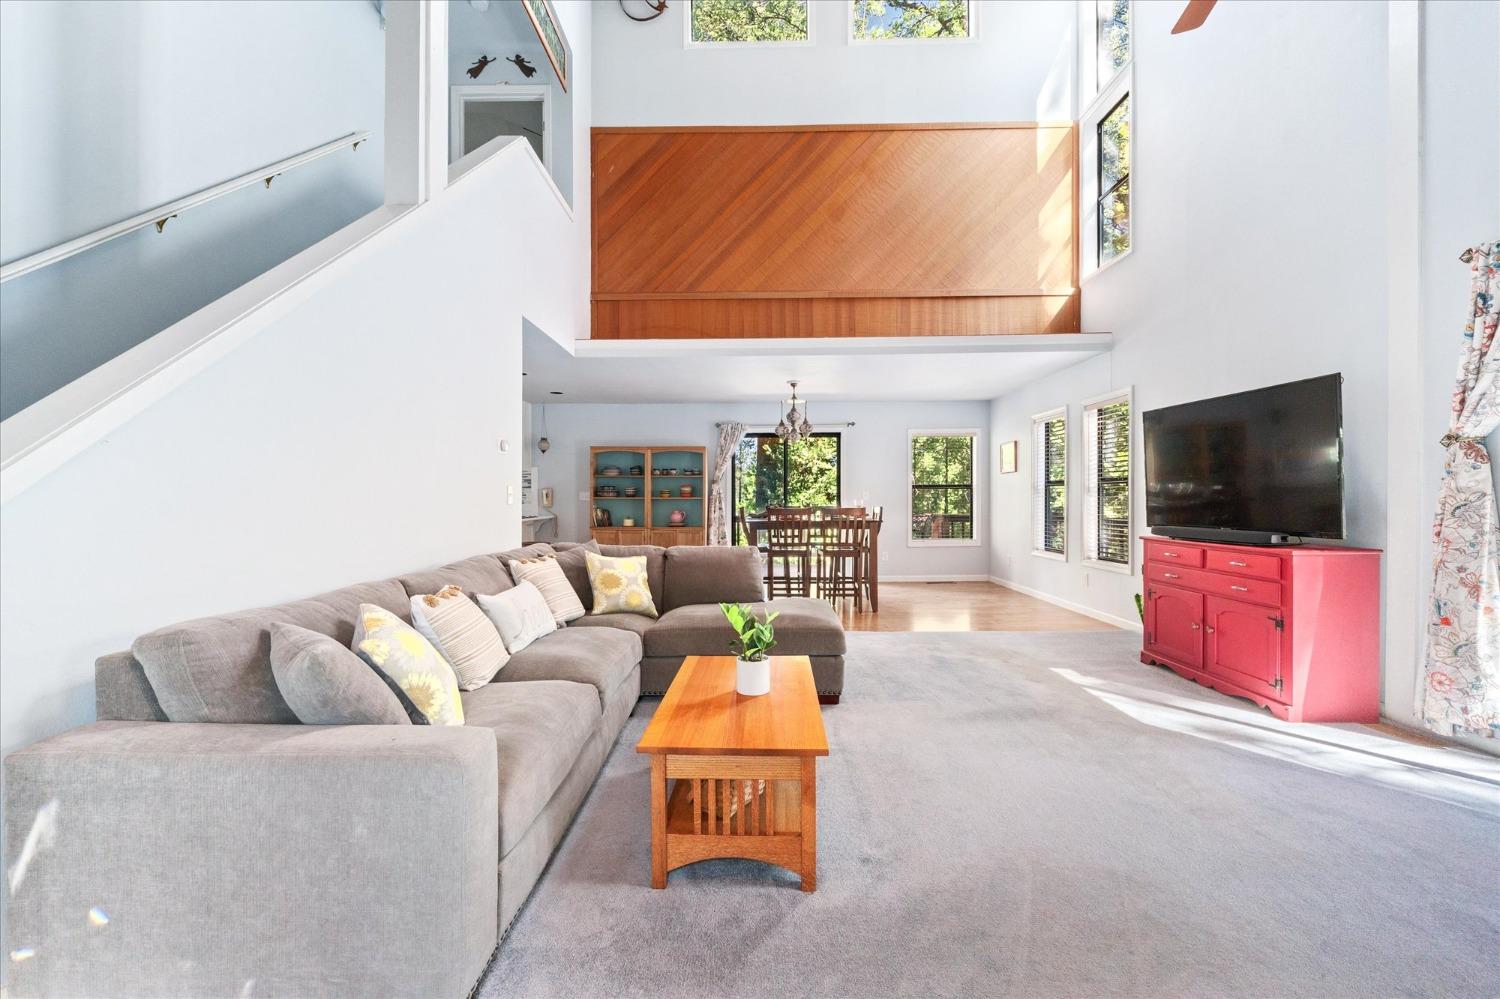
(718, 491)
(1461, 682)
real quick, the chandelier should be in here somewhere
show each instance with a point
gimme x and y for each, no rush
(794, 423)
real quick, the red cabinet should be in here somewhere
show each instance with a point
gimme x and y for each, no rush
(1296, 630)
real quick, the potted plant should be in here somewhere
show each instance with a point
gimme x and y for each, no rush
(756, 638)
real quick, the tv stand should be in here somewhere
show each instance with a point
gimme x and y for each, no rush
(1260, 539)
(1295, 629)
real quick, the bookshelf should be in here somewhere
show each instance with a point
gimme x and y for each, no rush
(637, 490)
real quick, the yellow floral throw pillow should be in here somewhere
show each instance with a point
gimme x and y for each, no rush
(620, 585)
(417, 674)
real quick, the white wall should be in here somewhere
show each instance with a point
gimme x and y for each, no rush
(1019, 68)
(108, 109)
(1254, 190)
(874, 461)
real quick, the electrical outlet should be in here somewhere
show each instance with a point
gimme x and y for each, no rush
(1085, 580)
(885, 556)
(583, 496)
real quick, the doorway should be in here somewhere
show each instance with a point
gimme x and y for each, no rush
(480, 114)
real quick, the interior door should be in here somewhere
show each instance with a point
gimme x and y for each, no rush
(1243, 644)
(1174, 624)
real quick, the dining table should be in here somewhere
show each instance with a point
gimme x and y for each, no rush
(756, 522)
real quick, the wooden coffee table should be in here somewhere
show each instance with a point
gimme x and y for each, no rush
(743, 770)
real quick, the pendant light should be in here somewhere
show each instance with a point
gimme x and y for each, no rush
(794, 424)
(542, 443)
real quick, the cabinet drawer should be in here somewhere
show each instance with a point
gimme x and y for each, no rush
(1193, 579)
(1258, 591)
(1245, 564)
(1157, 551)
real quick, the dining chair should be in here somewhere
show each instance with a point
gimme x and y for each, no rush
(788, 540)
(842, 551)
(874, 518)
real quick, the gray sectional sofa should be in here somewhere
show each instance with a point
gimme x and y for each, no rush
(198, 841)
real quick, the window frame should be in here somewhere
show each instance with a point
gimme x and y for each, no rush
(1088, 52)
(1091, 406)
(976, 476)
(1089, 194)
(734, 472)
(1039, 486)
(972, 36)
(689, 43)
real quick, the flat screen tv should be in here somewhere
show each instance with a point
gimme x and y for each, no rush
(1260, 467)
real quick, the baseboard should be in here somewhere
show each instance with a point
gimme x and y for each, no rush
(1077, 608)
(971, 578)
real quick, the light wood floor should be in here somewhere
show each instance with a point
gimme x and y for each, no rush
(963, 607)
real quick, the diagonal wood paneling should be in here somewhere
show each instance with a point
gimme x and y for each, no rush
(962, 228)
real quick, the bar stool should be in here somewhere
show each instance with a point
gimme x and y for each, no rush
(788, 546)
(842, 552)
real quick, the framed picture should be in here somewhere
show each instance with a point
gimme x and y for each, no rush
(544, 20)
(1007, 457)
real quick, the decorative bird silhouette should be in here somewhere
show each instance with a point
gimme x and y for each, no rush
(478, 67)
(526, 68)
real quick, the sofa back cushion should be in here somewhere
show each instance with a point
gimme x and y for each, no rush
(218, 669)
(480, 574)
(713, 575)
(656, 561)
(574, 561)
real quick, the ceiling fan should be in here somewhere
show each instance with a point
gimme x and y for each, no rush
(1193, 15)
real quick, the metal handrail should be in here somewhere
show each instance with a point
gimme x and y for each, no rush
(159, 215)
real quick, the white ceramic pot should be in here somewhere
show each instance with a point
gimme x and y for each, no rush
(751, 678)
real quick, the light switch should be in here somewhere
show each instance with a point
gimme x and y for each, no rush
(583, 497)
(510, 495)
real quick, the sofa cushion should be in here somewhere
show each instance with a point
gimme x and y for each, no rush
(713, 574)
(218, 669)
(540, 729)
(574, 562)
(480, 574)
(536, 550)
(621, 585)
(547, 575)
(806, 627)
(602, 657)
(326, 684)
(637, 624)
(461, 633)
(656, 561)
(422, 680)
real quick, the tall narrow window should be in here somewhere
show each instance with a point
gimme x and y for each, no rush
(1049, 484)
(1114, 181)
(1111, 37)
(942, 487)
(729, 21)
(882, 20)
(1106, 443)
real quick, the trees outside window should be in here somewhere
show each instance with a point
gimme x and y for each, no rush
(767, 471)
(713, 21)
(1049, 484)
(1114, 181)
(882, 20)
(942, 486)
(1106, 429)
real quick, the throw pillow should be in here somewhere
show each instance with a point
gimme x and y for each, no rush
(520, 615)
(416, 673)
(546, 574)
(458, 629)
(620, 585)
(326, 684)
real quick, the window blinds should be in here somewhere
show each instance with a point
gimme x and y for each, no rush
(1049, 488)
(1107, 531)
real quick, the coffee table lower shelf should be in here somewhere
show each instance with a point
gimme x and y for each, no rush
(746, 807)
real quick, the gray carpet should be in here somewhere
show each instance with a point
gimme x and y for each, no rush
(1041, 815)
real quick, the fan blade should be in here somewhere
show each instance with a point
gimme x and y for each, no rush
(1193, 15)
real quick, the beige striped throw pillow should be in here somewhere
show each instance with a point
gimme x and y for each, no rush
(462, 633)
(547, 575)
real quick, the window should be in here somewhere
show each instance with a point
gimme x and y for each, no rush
(1049, 484)
(1114, 181)
(1106, 448)
(942, 487)
(1111, 37)
(888, 20)
(712, 22)
(767, 471)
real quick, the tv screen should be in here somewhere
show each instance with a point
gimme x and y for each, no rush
(1263, 462)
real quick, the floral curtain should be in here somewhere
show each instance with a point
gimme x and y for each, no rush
(718, 490)
(1461, 688)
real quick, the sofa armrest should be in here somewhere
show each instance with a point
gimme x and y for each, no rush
(311, 860)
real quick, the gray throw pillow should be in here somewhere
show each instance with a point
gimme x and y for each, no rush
(326, 684)
(575, 566)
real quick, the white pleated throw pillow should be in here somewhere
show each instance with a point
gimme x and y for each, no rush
(458, 629)
(521, 615)
(547, 575)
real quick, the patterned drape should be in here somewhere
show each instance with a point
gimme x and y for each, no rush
(1461, 688)
(718, 490)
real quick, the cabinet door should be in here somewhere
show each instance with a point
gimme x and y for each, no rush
(1174, 625)
(1244, 644)
(607, 535)
(664, 537)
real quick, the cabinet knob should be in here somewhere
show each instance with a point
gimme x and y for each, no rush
(1195, 626)
(1168, 554)
(1171, 575)
(1208, 628)
(1242, 589)
(1236, 562)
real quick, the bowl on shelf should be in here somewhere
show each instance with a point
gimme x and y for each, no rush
(636, 469)
(609, 470)
(631, 491)
(686, 490)
(665, 494)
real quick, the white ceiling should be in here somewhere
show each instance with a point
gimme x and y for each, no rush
(851, 368)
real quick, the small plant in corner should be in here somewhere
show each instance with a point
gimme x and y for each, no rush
(754, 640)
(1140, 607)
